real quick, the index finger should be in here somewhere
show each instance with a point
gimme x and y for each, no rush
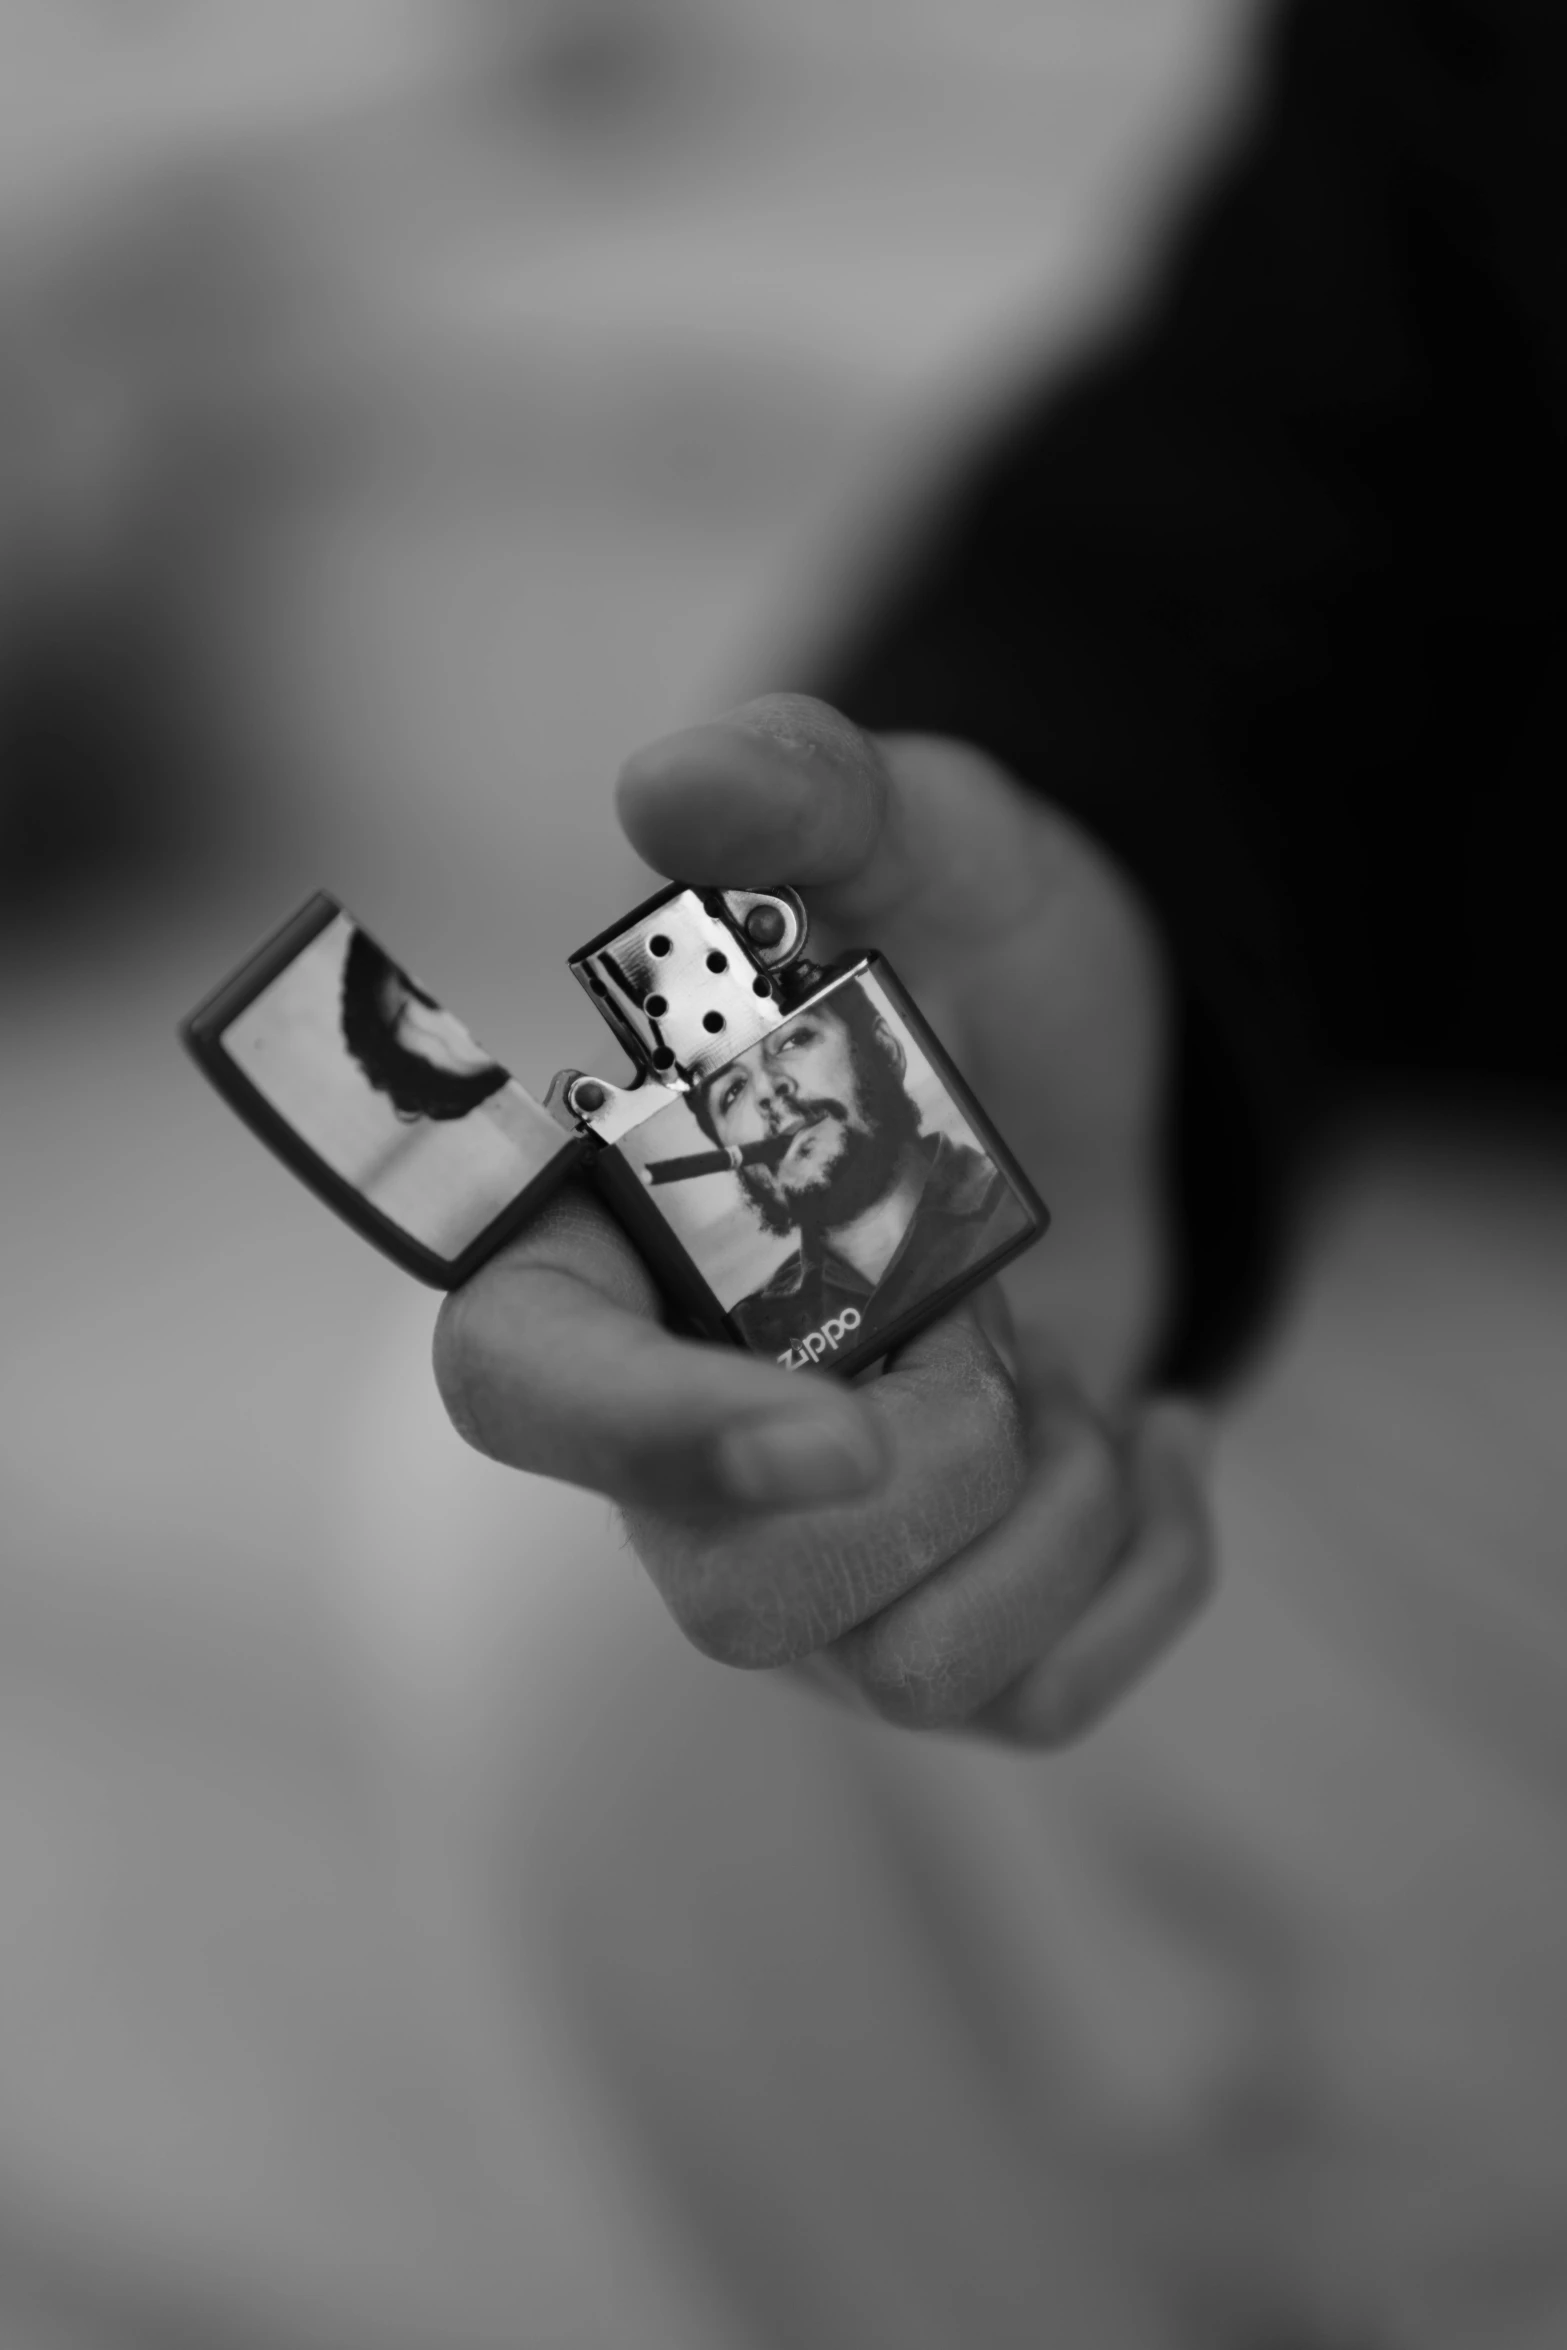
(552, 1359)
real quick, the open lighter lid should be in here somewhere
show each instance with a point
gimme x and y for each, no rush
(378, 1098)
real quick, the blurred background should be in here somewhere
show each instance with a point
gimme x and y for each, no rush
(409, 406)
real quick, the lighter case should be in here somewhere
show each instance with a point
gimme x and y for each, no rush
(795, 1157)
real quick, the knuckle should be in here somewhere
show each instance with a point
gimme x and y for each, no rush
(914, 1701)
(911, 1689)
(962, 1416)
(721, 1633)
(748, 1635)
(738, 1637)
(749, 1596)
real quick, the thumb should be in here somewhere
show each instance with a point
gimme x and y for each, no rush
(912, 832)
(783, 789)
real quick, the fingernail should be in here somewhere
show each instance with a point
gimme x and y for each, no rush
(781, 1464)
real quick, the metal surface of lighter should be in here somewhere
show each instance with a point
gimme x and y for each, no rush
(796, 1157)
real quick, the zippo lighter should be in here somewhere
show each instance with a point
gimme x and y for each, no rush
(795, 1157)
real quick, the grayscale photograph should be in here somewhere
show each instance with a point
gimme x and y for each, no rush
(896, 1677)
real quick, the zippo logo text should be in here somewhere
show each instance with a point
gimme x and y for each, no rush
(816, 1343)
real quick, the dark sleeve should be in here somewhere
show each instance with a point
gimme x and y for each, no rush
(1244, 583)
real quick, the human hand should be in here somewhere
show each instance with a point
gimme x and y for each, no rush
(997, 1533)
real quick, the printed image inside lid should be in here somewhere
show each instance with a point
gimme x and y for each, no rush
(378, 1097)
